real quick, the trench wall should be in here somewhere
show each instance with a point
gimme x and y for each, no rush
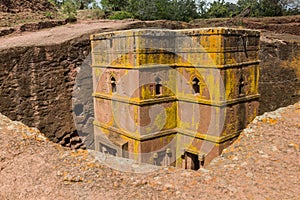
(279, 83)
(37, 87)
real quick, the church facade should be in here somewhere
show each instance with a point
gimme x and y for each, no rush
(173, 97)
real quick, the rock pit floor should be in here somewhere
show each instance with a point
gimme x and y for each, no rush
(262, 164)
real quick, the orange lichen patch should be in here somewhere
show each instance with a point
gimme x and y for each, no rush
(249, 155)
(79, 153)
(269, 121)
(28, 133)
(93, 165)
(171, 169)
(294, 145)
(294, 63)
(69, 179)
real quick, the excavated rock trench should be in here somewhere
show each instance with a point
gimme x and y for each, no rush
(39, 70)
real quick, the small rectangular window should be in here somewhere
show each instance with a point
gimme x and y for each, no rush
(113, 85)
(158, 86)
(107, 150)
(191, 161)
(196, 86)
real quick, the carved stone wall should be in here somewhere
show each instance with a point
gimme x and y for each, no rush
(279, 83)
(37, 85)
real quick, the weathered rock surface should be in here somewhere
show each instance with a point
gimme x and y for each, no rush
(262, 164)
(279, 83)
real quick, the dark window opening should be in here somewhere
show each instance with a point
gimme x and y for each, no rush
(162, 158)
(107, 150)
(111, 43)
(113, 85)
(158, 86)
(125, 153)
(158, 89)
(241, 86)
(191, 161)
(196, 86)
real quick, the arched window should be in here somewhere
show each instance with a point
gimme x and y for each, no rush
(158, 86)
(113, 85)
(196, 86)
(241, 86)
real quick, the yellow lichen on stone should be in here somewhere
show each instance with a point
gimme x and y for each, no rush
(165, 64)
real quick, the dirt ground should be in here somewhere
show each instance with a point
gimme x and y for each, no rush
(262, 164)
